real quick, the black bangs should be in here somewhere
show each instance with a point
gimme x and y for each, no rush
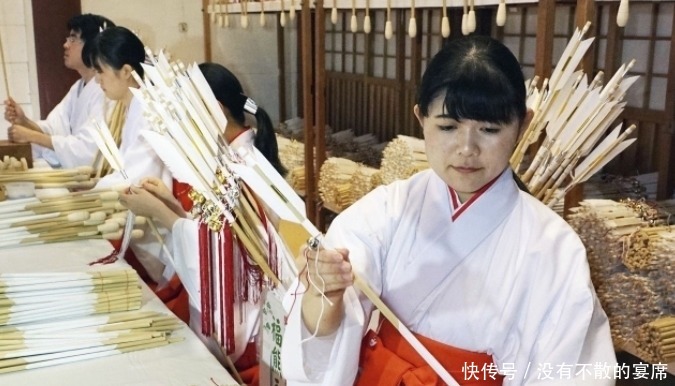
(481, 94)
(478, 78)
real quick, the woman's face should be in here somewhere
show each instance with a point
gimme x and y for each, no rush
(114, 83)
(466, 154)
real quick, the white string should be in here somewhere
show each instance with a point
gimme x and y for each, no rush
(321, 290)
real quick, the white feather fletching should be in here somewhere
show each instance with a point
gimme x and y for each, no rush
(179, 167)
(106, 144)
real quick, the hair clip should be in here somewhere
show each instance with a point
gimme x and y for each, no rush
(250, 106)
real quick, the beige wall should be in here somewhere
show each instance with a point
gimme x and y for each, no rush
(16, 32)
(157, 23)
(251, 54)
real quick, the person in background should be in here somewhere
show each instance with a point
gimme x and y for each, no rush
(154, 199)
(490, 280)
(116, 53)
(62, 138)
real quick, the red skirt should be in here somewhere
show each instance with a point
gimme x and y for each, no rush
(387, 359)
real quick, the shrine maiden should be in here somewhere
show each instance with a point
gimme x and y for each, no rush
(155, 200)
(483, 273)
(116, 53)
(63, 138)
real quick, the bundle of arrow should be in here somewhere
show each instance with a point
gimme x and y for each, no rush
(187, 122)
(64, 217)
(77, 178)
(48, 319)
(572, 116)
(631, 253)
(8, 163)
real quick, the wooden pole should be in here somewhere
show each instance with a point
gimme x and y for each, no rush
(320, 98)
(308, 109)
(5, 76)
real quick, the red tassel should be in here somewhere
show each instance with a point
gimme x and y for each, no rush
(112, 257)
(272, 259)
(227, 288)
(205, 279)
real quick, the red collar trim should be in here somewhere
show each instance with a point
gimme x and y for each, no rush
(458, 207)
(246, 128)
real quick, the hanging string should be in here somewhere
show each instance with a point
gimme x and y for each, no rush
(465, 18)
(501, 13)
(412, 25)
(262, 13)
(387, 24)
(226, 22)
(212, 14)
(220, 14)
(244, 14)
(282, 15)
(366, 20)
(471, 20)
(291, 12)
(622, 14)
(334, 13)
(354, 25)
(445, 22)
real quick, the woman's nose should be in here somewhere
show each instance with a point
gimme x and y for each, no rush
(466, 142)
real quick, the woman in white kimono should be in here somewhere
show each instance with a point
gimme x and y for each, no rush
(116, 53)
(155, 200)
(485, 275)
(63, 139)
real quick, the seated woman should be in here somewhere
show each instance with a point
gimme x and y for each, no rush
(116, 53)
(490, 280)
(155, 200)
(62, 138)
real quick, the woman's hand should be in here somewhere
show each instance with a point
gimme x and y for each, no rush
(20, 134)
(14, 113)
(141, 202)
(327, 273)
(157, 187)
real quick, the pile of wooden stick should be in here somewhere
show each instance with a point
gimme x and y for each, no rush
(71, 216)
(631, 252)
(292, 156)
(77, 178)
(403, 157)
(656, 340)
(363, 181)
(48, 319)
(335, 182)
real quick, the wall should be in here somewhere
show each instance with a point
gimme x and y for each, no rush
(16, 32)
(251, 54)
(157, 23)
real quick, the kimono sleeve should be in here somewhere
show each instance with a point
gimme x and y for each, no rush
(334, 360)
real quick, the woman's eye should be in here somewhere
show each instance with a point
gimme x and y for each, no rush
(491, 130)
(448, 127)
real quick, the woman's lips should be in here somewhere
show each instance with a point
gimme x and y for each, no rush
(465, 169)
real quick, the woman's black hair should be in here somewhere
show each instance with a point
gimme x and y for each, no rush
(228, 91)
(116, 47)
(88, 26)
(481, 80)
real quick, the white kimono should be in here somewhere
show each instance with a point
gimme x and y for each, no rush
(507, 277)
(185, 238)
(140, 161)
(67, 125)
